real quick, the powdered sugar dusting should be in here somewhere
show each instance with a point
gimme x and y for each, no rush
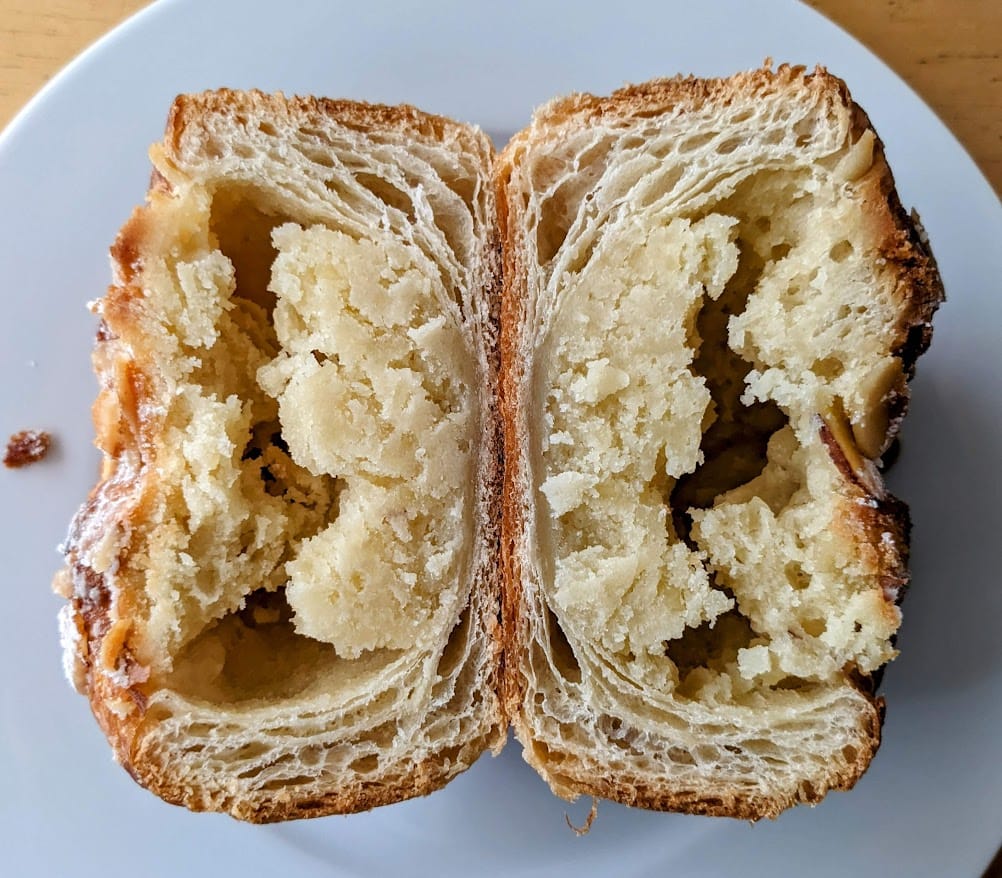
(69, 640)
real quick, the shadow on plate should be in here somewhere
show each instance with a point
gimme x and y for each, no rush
(949, 475)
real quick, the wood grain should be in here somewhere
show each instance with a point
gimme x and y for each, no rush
(949, 51)
(39, 37)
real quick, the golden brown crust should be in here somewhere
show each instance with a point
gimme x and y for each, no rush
(124, 432)
(902, 243)
(189, 112)
(660, 96)
(126, 739)
(127, 424)
(868, 512)
(121, 712)
(739, 803)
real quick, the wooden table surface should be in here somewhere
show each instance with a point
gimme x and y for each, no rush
(949, 51)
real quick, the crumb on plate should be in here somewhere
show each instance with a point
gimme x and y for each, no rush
(26, 447)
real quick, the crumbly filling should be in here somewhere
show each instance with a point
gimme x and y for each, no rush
(319, 439)
(682, 480)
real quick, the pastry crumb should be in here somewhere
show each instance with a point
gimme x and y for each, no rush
(26, 447)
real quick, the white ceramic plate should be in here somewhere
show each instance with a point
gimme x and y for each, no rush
(71, 168)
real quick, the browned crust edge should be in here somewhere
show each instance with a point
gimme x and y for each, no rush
(638, 792)
(125, 429)
(189, 110)
(868, 510)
